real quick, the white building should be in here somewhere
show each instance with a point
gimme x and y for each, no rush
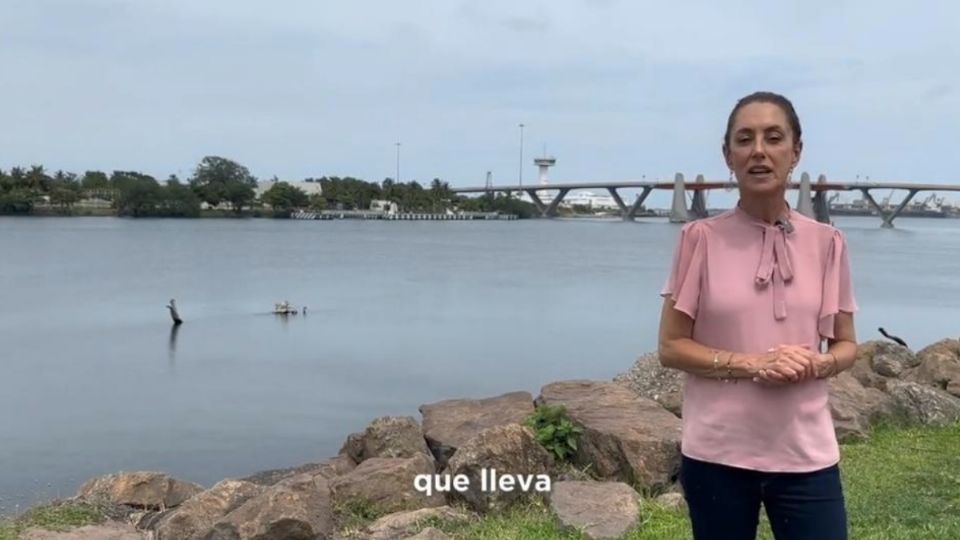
(589, 199)
(387, 207)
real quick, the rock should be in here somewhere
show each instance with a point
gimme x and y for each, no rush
(625, 437)
(862, 369)
(507, 453)
(386, 484)
(939, 366)
(855, 408)
(447, 425)
(298, 508)
(651, 380)
(391, 437)
(919, 404)
(401, 524)
(672, 501)
(598, 509)
(891, 359)
(327, 468)
(106, 531)
(353, 447)
(152, 490)
(429, 534)
(199, 513)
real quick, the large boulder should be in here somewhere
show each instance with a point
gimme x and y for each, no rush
(449, 424)
(599, 510)
(855, 407)
(502, 465)
(919, 404)
(298, 508)
(192, 519)
(892, 359)
(386, 485)
(402, 524)
(652, 380)
(327, 468)
(141, 489)
(625, 437)
(879, 361)
(387, 437)
(939, 366)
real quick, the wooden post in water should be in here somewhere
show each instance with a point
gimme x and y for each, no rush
(172, 306)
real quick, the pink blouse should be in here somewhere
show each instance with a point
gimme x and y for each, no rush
(750, 286)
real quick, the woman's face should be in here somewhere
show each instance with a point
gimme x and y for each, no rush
(761, 150)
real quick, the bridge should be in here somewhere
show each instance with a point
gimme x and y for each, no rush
(812, 198)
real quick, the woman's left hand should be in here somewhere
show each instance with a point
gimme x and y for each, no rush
(784, 369)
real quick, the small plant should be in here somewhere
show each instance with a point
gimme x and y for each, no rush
(554, 430)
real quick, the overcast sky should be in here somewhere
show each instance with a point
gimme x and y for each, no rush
(616, 90)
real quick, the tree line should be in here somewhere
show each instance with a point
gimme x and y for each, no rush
(220, 182)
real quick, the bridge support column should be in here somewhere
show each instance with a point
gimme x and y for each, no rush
(888, 221)
(699, 205)
(620, 204)
(678, 212)
(536, 201)
(821, 205)
(551, 210)
(804, 201)
(629, 214)
(888, 217)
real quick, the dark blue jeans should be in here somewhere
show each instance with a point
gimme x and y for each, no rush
(724, 502)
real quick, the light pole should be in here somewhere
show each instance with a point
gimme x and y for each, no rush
(521, 156)
(398, 162)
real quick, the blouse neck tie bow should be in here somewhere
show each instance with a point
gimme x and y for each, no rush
(775, 266)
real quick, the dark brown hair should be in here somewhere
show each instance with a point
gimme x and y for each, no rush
(766, 97)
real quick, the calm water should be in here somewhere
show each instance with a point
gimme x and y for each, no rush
(400, 314)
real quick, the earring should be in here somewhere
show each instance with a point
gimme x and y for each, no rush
(731, 175)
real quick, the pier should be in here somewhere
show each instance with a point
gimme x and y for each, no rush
(812, 197)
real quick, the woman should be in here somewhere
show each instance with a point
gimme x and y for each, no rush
(752, 295)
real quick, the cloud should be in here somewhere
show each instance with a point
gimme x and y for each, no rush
(614, 89)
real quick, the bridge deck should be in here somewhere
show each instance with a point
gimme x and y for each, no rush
(697, 186)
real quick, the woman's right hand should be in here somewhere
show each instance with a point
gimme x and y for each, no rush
(786, 364)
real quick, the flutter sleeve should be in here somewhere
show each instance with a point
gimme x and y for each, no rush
(837, 285)
(686, 273)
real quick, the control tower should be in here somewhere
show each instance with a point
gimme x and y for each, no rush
(544, 163)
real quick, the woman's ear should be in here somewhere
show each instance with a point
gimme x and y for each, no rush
(726, 155)
(797, 150)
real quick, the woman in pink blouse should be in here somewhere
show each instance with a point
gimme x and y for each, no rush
(752, 295)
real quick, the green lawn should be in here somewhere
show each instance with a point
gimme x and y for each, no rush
(901, 484)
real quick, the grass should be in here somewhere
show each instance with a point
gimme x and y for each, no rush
(55, 517)
(901, 484)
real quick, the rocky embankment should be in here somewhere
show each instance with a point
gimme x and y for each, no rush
(414, 473)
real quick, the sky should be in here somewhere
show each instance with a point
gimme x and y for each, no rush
(615, 90)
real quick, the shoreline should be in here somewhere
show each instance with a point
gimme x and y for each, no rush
(889, 385)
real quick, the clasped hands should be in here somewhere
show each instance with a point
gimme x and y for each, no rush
(787, 364)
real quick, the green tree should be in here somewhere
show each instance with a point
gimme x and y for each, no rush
(18, 201)
(284, 197)
(139, 195)
(217, 179)
(178, 200)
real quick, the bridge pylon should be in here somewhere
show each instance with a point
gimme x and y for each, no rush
(821, 202)
(678, 212)
(699, 205)
(804, 200)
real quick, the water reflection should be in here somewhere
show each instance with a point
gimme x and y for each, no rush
(172, 344)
